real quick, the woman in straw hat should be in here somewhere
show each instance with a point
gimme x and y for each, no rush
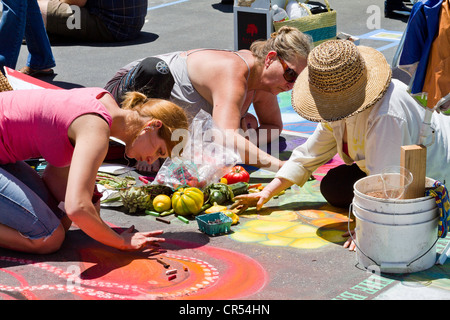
(71, 130)
(225, 83)
(363, 115)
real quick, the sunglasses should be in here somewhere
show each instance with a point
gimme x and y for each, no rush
(289, 74)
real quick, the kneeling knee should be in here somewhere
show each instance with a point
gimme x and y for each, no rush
(51, 243)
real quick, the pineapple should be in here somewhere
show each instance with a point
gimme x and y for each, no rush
(137, 199)
(134, 199)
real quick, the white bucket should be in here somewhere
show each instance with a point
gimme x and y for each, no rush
(398, 206)
(394, 235)
(395, 218)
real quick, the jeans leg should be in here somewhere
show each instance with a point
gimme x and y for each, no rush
(12, 30)
(40, 52)
(24, 202)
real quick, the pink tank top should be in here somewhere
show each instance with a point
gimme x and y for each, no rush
(34, 123)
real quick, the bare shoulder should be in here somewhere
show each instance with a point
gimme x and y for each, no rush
(108, 101)
(214, 63)
(91, 127)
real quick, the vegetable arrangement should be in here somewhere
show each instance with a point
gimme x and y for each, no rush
(136, 199)
(186, 200)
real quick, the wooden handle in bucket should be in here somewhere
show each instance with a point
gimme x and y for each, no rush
(414, 158)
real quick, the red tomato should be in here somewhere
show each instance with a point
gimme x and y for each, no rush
(237, 174)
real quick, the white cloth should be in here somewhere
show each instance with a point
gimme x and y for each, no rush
(374, 138)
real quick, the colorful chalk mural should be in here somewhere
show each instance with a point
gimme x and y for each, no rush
(298, 219)
(201, 271)
(105, 274)
(308, 223)
(292, 121)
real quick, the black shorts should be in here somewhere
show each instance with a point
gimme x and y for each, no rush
(337, 185)
(151, 77)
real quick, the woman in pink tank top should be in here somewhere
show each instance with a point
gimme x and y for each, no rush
(71, 130)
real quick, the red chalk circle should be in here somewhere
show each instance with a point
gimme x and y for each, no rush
(106, 274)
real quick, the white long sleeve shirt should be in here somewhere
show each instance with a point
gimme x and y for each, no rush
(374, 138)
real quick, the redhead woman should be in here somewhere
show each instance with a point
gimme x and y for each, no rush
(225, 83)
(71, 130)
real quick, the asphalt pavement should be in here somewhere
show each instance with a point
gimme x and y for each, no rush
(189, 24)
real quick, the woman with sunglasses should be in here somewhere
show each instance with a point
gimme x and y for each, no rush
(71, 130)
(225, 83)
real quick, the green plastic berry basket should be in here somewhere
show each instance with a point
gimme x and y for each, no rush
(214, 224)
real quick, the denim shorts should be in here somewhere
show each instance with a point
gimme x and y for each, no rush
(26, 204)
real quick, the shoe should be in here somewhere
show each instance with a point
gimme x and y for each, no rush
(396, 11)
(36, 73)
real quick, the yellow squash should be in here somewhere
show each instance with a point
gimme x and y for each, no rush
(215, 208)
(186, 201)
(230, 213)
(234, 217)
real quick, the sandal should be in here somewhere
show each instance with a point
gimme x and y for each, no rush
(36, 73)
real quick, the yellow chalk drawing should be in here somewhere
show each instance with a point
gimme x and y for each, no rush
(308, 229)
(287, 224)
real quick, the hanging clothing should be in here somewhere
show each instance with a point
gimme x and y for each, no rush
(419, 34)
(437, 79)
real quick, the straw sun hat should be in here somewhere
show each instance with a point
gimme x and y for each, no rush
(341, 80)
(4, 84)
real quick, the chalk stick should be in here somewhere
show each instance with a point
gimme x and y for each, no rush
(181, 218)
(144, 180)
(166, 265)
(152, 213)
(166, 213)
(171, 277)
(171, 271)
(162, 220)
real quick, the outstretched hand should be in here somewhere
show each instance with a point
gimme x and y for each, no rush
(134, 241)
(251, 200)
